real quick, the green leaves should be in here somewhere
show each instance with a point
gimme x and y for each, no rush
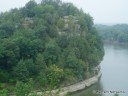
(4, 93)
(40, 65)
(23, 89)
(6, 30)
(35, 43)
(76, 65)
(9, 53)
(55, 75)
(21, 71)
(51, 53)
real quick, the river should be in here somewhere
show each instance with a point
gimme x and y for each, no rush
(114, 68)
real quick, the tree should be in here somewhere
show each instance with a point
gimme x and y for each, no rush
(24, 89)
(4, 93)
(6, 29)
(51, 54)
(46, 50)
(60, 23)
(42, 79)
(54, 75)
(9, 54)
(115, 33)
(75, 65)
(40, 65)
(63, 41)
(20, 71)
(29, 8)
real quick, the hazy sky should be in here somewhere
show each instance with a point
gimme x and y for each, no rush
(103, 11)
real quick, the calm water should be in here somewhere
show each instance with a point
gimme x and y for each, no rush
(114, 70)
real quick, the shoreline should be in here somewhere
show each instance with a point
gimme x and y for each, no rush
(75, 87)
(80, 85)
(115, 42)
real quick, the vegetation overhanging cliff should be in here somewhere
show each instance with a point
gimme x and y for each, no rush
(54, 43)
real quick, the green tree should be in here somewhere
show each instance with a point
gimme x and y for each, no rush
(55, 76)
(40, 65)
(51, 54)
(9, 54)
(60, 23)
(20, 71)
(24, 89)
(46, 50)
(4, 93)
(6, 29)
(29, 8)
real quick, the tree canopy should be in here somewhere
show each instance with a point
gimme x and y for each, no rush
(49, 42)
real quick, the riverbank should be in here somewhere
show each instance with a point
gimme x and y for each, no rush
(76, 87)
(81, 85)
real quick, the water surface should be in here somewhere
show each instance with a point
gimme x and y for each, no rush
(114, 68)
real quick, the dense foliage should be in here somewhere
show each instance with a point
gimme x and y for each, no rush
(52, 42)
(115, 33)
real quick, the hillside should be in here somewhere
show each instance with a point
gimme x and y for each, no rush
(48, 42)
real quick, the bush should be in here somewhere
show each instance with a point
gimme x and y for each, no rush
(23, 89)
(4, 93)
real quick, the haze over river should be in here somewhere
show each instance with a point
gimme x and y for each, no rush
(114, 68)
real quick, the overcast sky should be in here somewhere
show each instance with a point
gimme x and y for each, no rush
(103, 11)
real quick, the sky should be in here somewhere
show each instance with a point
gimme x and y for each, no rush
(102, 11)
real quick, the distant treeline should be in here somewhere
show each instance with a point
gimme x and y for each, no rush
(115, 33)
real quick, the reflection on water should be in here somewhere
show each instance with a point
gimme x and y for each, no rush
(114, 70)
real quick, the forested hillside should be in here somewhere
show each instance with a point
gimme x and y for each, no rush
(48, 42)
(115, 33)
